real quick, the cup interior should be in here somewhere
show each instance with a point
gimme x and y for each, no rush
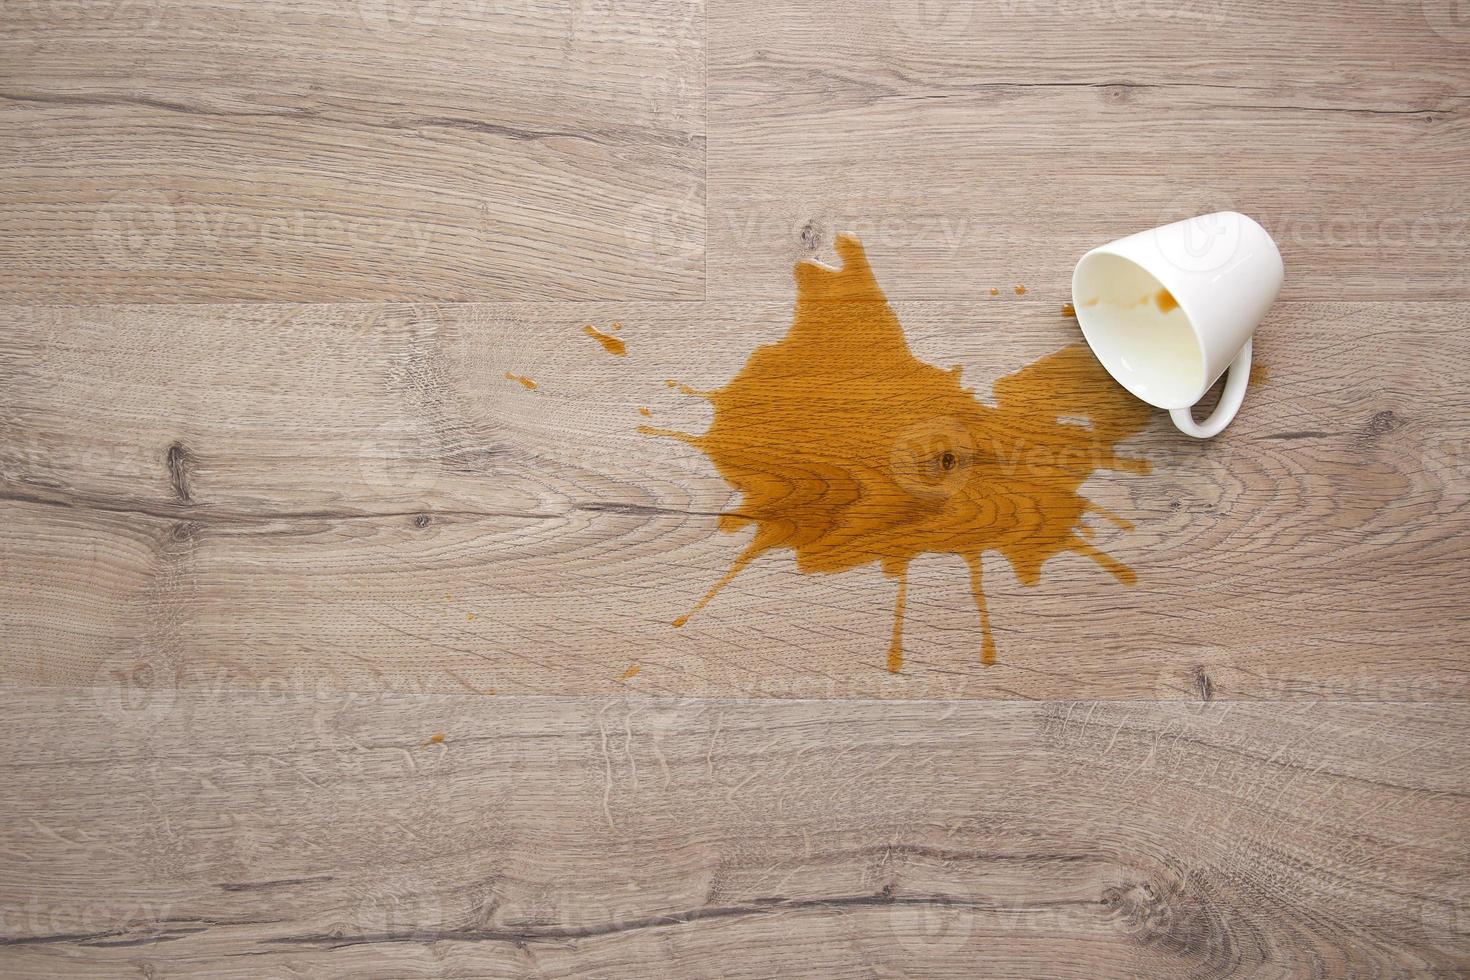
(1138, 330)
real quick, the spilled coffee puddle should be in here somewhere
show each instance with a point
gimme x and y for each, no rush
(849, 451)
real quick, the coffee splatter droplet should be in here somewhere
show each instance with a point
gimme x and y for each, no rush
(611, 344)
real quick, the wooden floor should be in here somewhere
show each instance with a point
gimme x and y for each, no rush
(332, 649)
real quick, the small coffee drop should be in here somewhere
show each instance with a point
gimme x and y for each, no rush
(611, 344)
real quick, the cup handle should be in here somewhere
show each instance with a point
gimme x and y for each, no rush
(1237, 377)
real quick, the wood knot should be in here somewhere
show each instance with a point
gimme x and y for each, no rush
(1173, 915)
(811, 235)
(1384, 422)
(180, 463)
(422, 520)
(1116, 94)
(1203, 684)
(184, 532)
(1140, 908)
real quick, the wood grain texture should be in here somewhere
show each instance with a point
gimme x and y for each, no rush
(986, 144)
(262, 835)
(356, 497)
(380, 149)
(330, 647)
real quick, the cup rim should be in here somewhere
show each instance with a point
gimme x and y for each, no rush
(1194, 332)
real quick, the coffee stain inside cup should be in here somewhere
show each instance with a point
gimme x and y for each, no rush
(849, 451)
(1161, 298)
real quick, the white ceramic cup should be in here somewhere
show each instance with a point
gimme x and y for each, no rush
(1168, 311)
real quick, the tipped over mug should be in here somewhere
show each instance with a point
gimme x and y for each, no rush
(1168, 311)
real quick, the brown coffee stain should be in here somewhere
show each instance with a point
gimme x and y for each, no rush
(1069, 310)
(1161, 298)
(631, 672)
(613, 345)
(1259, 372)
(646, 412)
(524, 382)
(849, 451)
(436, 739)
(994, 291)
(1020, 290)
